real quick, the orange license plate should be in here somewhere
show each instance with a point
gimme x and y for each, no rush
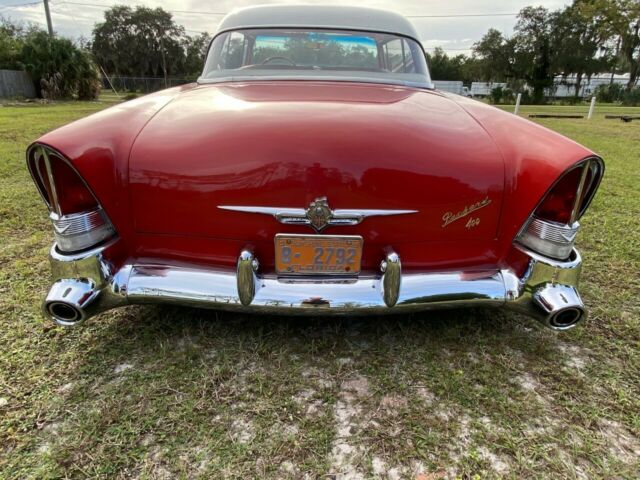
(318, 254)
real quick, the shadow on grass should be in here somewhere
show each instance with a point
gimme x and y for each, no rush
(142, 331)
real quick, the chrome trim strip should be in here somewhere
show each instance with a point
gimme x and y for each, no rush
(579, 192)
(574, 260)
(295, 212)
(55, 204)
(298, 216)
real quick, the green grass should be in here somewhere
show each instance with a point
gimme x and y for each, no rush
(152, 392)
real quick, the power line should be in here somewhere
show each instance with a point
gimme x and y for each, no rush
(16, 5)
(457, 15)
(208, 12)
(100, 5)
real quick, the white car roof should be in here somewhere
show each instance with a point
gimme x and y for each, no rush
(318, 16)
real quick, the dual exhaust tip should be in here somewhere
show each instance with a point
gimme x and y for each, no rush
(68, 300)
(561, 306)
(63, 313)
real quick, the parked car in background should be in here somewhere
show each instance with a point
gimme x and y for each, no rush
(313, 169)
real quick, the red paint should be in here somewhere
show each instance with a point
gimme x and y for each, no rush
(161, 165)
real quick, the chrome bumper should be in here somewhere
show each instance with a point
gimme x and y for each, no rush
(86, 284)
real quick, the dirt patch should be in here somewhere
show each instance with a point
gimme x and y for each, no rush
(123, 367)
(576, 357)
(623, 445)
(393, 405)
(498, 464)
(242, 431)
(345, 457)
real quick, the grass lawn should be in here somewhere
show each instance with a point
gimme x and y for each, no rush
(158, 392)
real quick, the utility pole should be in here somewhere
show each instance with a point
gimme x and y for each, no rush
(48, 14)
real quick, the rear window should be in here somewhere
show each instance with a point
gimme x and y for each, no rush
(316, 54)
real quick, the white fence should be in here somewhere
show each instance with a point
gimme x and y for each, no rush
(16, 83)
(563, 88)
(448, 86)
(483, 89)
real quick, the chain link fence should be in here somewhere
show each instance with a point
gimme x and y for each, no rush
(141, 84)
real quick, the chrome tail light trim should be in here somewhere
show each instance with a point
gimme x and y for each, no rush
(549, 238)
(81, 230)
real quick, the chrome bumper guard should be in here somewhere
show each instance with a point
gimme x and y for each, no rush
(86, 284)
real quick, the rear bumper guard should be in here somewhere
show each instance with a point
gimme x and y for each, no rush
(86, 284)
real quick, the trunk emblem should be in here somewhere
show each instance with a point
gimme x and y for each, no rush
(318, 215)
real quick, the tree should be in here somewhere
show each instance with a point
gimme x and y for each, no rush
(443, 67)
(195, 49)
(58, 68)
(534, 52)
(494, 56)
(529, 55)
(577, 42)
(618, 20)
(141, 42)
(12, 38)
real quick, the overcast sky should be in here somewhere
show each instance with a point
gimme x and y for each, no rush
(456, 35)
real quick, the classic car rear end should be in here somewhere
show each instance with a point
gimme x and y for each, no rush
(313, 170)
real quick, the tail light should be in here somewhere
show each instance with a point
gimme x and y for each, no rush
(552, 228)
(79, 222)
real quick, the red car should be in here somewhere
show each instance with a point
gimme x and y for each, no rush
(313, 169)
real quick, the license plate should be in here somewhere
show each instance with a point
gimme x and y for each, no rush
(318, 254)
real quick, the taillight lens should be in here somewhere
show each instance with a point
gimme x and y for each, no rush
(79, 222)
(552, 228)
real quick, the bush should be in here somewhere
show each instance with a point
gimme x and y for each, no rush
(631, 98)
(59, 68)
(609, 93)
(501, 95)
(617, 93)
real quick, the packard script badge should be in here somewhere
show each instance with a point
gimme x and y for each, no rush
(450, 217)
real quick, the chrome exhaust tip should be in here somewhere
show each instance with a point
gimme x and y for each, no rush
(562, 306)
(566, 318)
(68, 299)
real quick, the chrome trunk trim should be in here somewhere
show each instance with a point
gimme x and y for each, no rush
(317, 215)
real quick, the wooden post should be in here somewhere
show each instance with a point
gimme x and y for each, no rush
(592, 107)
(48, 15)
(518, 99)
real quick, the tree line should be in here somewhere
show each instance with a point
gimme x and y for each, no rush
(583, 39)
